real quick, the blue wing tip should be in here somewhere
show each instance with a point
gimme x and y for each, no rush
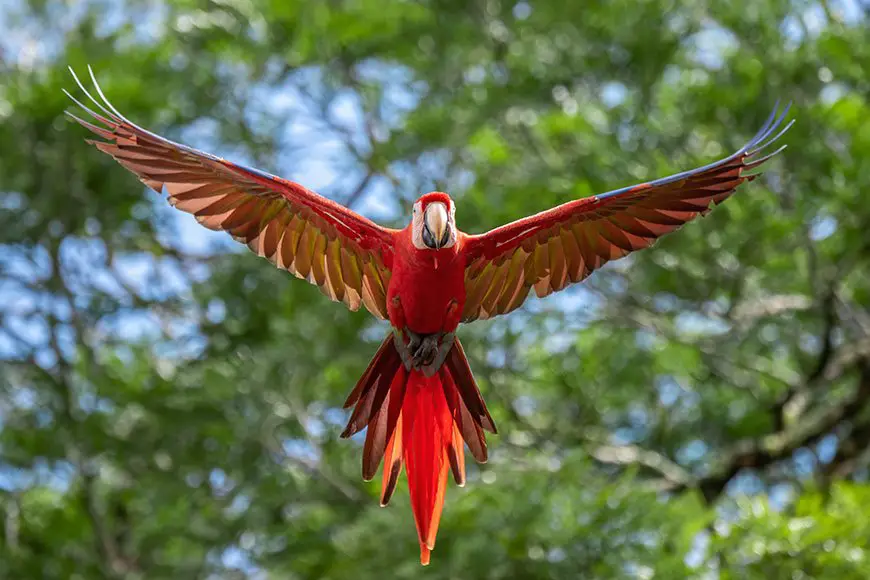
(101, 106)
(759, 142)
(763, 139)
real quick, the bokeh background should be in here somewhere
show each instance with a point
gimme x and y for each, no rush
(170, 404)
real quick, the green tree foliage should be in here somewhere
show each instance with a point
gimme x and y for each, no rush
(169, 403)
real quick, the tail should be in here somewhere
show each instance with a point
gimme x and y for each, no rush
(419, 422)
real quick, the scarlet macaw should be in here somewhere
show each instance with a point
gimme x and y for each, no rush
(418, 397)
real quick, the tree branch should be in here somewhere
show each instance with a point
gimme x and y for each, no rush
(852, 450)
(749, 311)
(674, 475)
(764, 451)
(786, 407)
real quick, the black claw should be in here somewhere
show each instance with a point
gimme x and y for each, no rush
(423, 352)
(426, 351)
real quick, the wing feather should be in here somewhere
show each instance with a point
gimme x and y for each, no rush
(347, 256)
(552, 249)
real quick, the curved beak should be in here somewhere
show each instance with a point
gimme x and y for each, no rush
(436, 220)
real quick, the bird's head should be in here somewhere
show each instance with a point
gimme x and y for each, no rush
(433, 224)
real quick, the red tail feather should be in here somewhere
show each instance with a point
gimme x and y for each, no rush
(419, 422)
(427, 431)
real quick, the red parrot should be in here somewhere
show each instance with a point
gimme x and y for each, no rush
(418, 397)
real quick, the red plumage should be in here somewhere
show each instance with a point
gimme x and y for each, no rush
(418, 397)
(420, 422)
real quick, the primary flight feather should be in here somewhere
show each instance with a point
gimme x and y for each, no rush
(418, 397)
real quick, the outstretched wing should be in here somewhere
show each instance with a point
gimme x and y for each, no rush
(344, 254)
(555, 248)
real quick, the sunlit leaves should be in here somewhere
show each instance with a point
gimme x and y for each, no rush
(179, 417)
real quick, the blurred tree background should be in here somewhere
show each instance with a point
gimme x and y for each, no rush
(169, 403)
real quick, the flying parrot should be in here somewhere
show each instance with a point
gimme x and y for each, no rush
(418, 397)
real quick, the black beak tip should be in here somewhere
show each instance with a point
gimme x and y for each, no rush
(431, 242)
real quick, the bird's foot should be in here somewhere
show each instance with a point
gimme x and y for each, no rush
(424, 352)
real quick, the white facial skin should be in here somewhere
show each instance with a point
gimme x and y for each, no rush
(434, 225)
